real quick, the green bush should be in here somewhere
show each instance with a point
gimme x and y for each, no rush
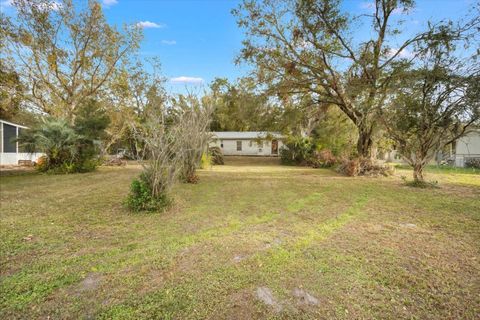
(306, 151)
(141, 199)
(58, 141)
(87, 165)
(297, 151)
(420, 184)
(68, 148)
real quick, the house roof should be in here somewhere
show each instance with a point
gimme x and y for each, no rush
(245, 134)
(13, 124)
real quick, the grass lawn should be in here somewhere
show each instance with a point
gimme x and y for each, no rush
(252, 240)
(442, 169)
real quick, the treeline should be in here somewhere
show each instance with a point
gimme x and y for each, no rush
(419, 90)
(79, 83)
(80, 86)
(68, 74)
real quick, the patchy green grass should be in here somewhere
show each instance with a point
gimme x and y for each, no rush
(443, 175)
(362, 247)
(442, 169)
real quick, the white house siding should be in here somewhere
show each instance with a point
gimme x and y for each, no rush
(13, 158)
(9, 151)
(249, 147)
(227, 142)
(467, 147)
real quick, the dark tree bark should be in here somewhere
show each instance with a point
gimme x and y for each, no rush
(365, 142)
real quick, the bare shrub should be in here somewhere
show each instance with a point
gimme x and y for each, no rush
(322, 159)
(216, 155)
(349, 167)
(112, 162)
(163, 150)
(161, 158)
(473, 163)
(364, 167)
(173, 143)
(194, 134)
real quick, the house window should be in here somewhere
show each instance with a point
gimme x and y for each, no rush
(239, 145)
(9, 136)
(221, 143)
(21, 148)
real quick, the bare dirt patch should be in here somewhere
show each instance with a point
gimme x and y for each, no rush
(265, 295)
(91, 282)
(304, 297)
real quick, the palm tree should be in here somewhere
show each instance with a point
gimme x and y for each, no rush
(56, 139)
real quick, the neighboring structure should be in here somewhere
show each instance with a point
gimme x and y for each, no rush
(10, 153)
(248, 143)
(456, 154)
(466, 147)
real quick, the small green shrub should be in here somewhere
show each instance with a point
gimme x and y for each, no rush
(297, 151)
(68, 148)
(141, 199)
(65, 167)
(422, 184)
(305, 151)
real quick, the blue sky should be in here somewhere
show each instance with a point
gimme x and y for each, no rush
(198, 40)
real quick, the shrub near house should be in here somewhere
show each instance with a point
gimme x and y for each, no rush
(306, 151)
(68, 148)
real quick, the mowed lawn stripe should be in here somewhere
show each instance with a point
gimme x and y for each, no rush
(353, 243)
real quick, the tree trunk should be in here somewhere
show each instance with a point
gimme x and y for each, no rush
(418, 172)
(364, 143)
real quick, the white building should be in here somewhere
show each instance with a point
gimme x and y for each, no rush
(456, 154)
(248, 143)
(10, 153)
(467, 147)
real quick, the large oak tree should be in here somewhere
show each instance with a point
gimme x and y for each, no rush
(65, 55)
(308, 47)
(436, 100)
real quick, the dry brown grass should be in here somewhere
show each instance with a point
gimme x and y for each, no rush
(363, 247)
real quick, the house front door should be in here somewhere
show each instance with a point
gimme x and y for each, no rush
(274, 146)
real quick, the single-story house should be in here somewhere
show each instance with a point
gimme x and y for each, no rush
(10, 152)
(248, 143)
(466, 147)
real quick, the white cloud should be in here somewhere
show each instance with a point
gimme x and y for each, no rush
(184, 79)
(109, 3)
(169, 42)
(404, 54)
(149, 24)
